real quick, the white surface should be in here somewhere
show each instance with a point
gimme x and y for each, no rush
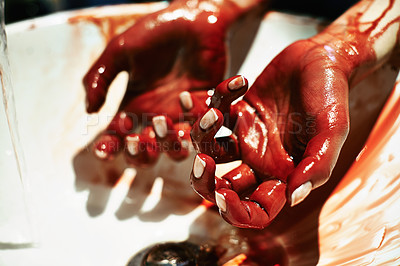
(14, 226)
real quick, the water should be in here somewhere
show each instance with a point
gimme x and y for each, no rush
(15, 226)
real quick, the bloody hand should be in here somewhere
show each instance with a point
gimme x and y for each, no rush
(167, 54)
(288, 131)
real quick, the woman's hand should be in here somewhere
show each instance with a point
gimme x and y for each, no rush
(167, 54)
(291, 125)
(289, 129)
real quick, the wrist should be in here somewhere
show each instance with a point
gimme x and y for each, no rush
(352, 50)
(365, 37)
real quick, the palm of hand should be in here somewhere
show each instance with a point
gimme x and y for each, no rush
(290, 127)
(301, 94)
(163, 58)
(189, 62)
(260, 145)
(165, 53)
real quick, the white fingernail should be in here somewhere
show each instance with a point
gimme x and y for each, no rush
(100, 153)
(236, 83)
(220, 200)
(208, 119)
(160, 126)
(186, 100)
(301, 193)
(132, 144)
(198, 167)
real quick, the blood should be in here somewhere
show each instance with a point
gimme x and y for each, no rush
(108, 25)
(357, 40)
(364, 39)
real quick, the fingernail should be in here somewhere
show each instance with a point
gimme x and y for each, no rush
(106, 147)
(198, 167)
(100, 153)
(220, 200)
(208, 119)
(160, 126)
(236, 83)
(301, 193)
(132, 144)
(186, 100)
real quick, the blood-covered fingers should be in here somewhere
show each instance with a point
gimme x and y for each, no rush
(203, 176)
(174, 140)
(204, 130)
(317, 164)
(102, 73)
(321, 152)
(241, 179)
(241, 199)
(121, 125)
(203, 137)
(142, 149)
(110, 142)
(256, 210)
(193, 105)
(230, 189)
(240, 213)
(107, 146)
(225, 93)
(186, 100)
(271, 196)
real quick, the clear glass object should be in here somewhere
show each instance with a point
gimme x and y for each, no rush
(15, 225)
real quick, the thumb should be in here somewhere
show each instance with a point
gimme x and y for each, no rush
(318, 161)
(102, 73)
